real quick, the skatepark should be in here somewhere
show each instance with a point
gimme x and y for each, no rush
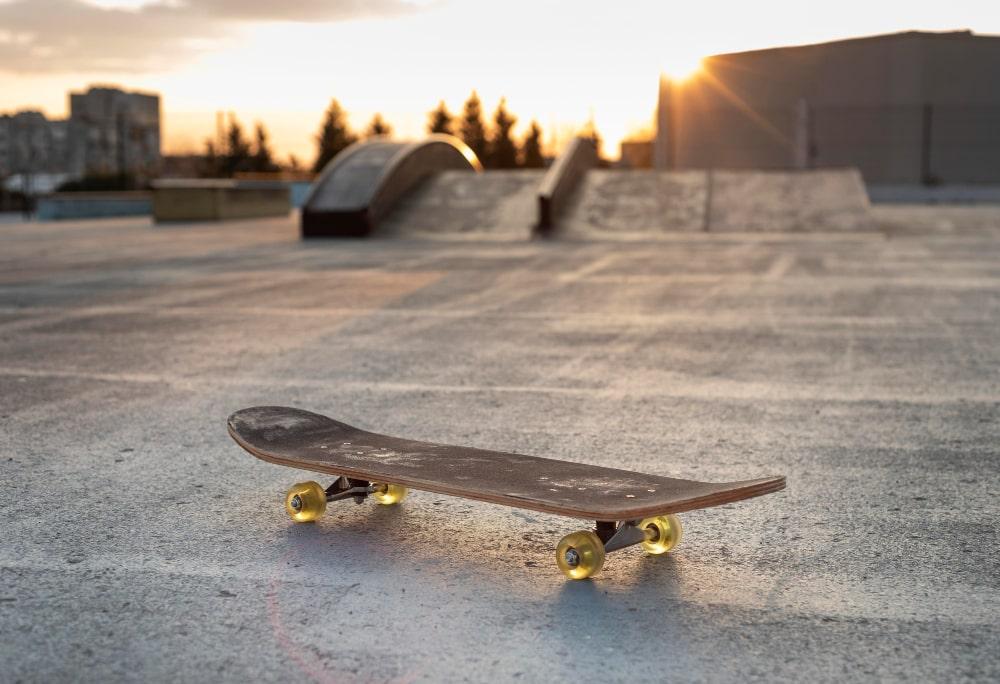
(436, 189)
(666, 324)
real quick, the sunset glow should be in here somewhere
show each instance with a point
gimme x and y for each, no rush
(682, 69)
(281, 66)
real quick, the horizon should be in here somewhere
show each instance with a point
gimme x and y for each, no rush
(400, 58)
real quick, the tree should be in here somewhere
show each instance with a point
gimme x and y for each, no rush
(211, 167)
(378, 128)
(440, 120)
(590, 132)
(334, 135)
(502, 152)
(237, 155)
(473, 131)
(263, 159)
(531, 150)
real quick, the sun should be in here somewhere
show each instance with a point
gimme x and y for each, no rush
(680, 68)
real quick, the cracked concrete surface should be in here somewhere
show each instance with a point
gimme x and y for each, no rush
(140, 543)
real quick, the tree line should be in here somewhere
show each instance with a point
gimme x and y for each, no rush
(494, 144)
(239, 155)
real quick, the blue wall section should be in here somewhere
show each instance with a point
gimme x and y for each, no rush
(299, 191)
(63, 207)
(67, 206)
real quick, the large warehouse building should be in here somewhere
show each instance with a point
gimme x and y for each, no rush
(906, 109)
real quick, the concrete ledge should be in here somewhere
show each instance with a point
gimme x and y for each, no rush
(937, 194)
(362, 183)
(217, 199)
(623, 204)
(62, 206)
(633, 204)
(561, 180)
(788, 201)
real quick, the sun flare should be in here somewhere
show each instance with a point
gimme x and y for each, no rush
(681, 68)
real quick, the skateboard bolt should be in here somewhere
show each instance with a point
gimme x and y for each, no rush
(572, 558)
(296, 503)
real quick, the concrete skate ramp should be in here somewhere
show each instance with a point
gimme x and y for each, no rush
(635, 203)
(784, 201)
(496, 205)
(641, 204)
(362, 184)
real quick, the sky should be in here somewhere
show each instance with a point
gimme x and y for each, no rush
(560, 63)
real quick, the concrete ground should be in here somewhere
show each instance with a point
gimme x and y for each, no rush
(140, 543)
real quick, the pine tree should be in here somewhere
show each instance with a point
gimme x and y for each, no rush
(440, 120)
(531, 150)
(378, 128)
(590, 132)
(502, 148)
(263, 159)
(473, 131)
(334, 135)
(210, 166)
(237, 157)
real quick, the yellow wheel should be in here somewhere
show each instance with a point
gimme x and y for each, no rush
(305, 501)
(389, 494)
(580, 555)
(663, 533)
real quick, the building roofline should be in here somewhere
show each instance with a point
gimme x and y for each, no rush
(933, 35)
(104, 87)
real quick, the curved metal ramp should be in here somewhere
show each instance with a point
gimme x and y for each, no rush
(362, 183)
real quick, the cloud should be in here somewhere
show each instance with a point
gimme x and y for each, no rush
(301, 10)
(76, 36)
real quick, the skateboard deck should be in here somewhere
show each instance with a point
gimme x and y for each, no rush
(310, 441)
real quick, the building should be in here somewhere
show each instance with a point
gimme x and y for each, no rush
(636, 154)
(29, 142)
(906, 109)
(108, 132)
(115, 132)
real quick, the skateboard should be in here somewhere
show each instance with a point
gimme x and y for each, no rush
(629, 508)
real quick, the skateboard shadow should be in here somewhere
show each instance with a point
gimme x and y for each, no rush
(638, 580)
(402, 543)
(354, 541)
(639, 608)
(638, 605)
